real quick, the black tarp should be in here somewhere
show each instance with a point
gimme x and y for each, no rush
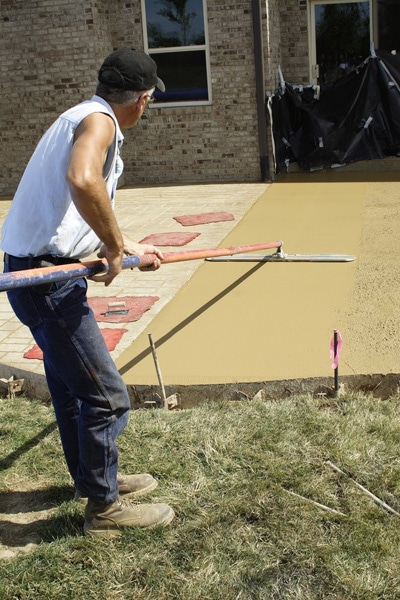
(354, 118)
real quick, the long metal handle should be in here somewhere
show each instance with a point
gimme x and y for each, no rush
(28, 277)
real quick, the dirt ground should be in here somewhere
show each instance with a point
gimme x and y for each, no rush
(373, 310)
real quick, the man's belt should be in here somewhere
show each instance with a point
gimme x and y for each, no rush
(45, 260)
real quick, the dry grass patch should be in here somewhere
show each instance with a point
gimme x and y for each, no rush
(226, 468)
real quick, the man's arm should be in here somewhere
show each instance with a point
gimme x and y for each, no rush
(93, 138)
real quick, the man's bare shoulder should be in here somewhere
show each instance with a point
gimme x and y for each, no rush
(98, 125)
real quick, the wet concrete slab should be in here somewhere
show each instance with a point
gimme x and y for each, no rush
(248, 323)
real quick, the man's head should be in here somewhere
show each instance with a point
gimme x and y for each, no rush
(127, 80)
(130, 69)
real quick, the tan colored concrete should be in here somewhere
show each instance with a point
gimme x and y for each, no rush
(245, 322)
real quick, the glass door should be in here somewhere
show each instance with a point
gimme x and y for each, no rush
(340, 37)
(387, 25)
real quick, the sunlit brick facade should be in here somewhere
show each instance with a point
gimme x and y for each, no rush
(51, 51)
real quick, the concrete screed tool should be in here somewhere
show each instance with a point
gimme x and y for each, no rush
(41, 275)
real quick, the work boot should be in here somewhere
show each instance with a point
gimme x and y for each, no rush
(108, 520)
(129, 486)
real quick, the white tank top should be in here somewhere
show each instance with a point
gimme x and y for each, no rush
(43, 218)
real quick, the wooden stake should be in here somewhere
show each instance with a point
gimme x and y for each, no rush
(158, 370)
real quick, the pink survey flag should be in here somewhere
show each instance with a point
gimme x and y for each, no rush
(336, 355)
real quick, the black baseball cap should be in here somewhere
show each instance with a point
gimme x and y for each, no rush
(130, 69)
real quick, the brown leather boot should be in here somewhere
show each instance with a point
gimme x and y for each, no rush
(130, 486)
(108, 520)
(135, 485)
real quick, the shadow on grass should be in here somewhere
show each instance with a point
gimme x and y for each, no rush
(18, 535)
(35, 516)
(34, 500)
(8, 461)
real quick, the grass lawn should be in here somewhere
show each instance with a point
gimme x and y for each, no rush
(244, 479)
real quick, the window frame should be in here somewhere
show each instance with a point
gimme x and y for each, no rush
(201, 47)
(311, 29)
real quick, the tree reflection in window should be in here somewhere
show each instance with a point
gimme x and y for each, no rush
(342, 37)
(184, 20)
(178, 26)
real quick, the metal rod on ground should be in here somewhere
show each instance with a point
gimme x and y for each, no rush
(160, 380)
(362, 488)
(41, 275)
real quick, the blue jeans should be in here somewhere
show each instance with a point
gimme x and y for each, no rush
(90, 399)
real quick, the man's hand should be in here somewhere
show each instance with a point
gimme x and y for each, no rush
(115, 261)
(114, 266)
(131, 247)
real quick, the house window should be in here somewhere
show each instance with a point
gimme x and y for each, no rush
(341, 32)
(175, 36)
(342, 35)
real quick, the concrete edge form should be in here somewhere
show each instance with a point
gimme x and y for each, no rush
(379, 385)
(382, 386)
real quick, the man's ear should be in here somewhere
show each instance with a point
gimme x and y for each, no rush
(142, 100)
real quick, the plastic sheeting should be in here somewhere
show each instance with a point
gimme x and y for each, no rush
(355, 118)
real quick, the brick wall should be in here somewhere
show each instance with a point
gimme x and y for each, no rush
(206, 143)
(271, 41)
(50, 54)
(294, 41)
(49, 59)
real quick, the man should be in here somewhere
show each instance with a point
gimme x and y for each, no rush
(62, 212)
